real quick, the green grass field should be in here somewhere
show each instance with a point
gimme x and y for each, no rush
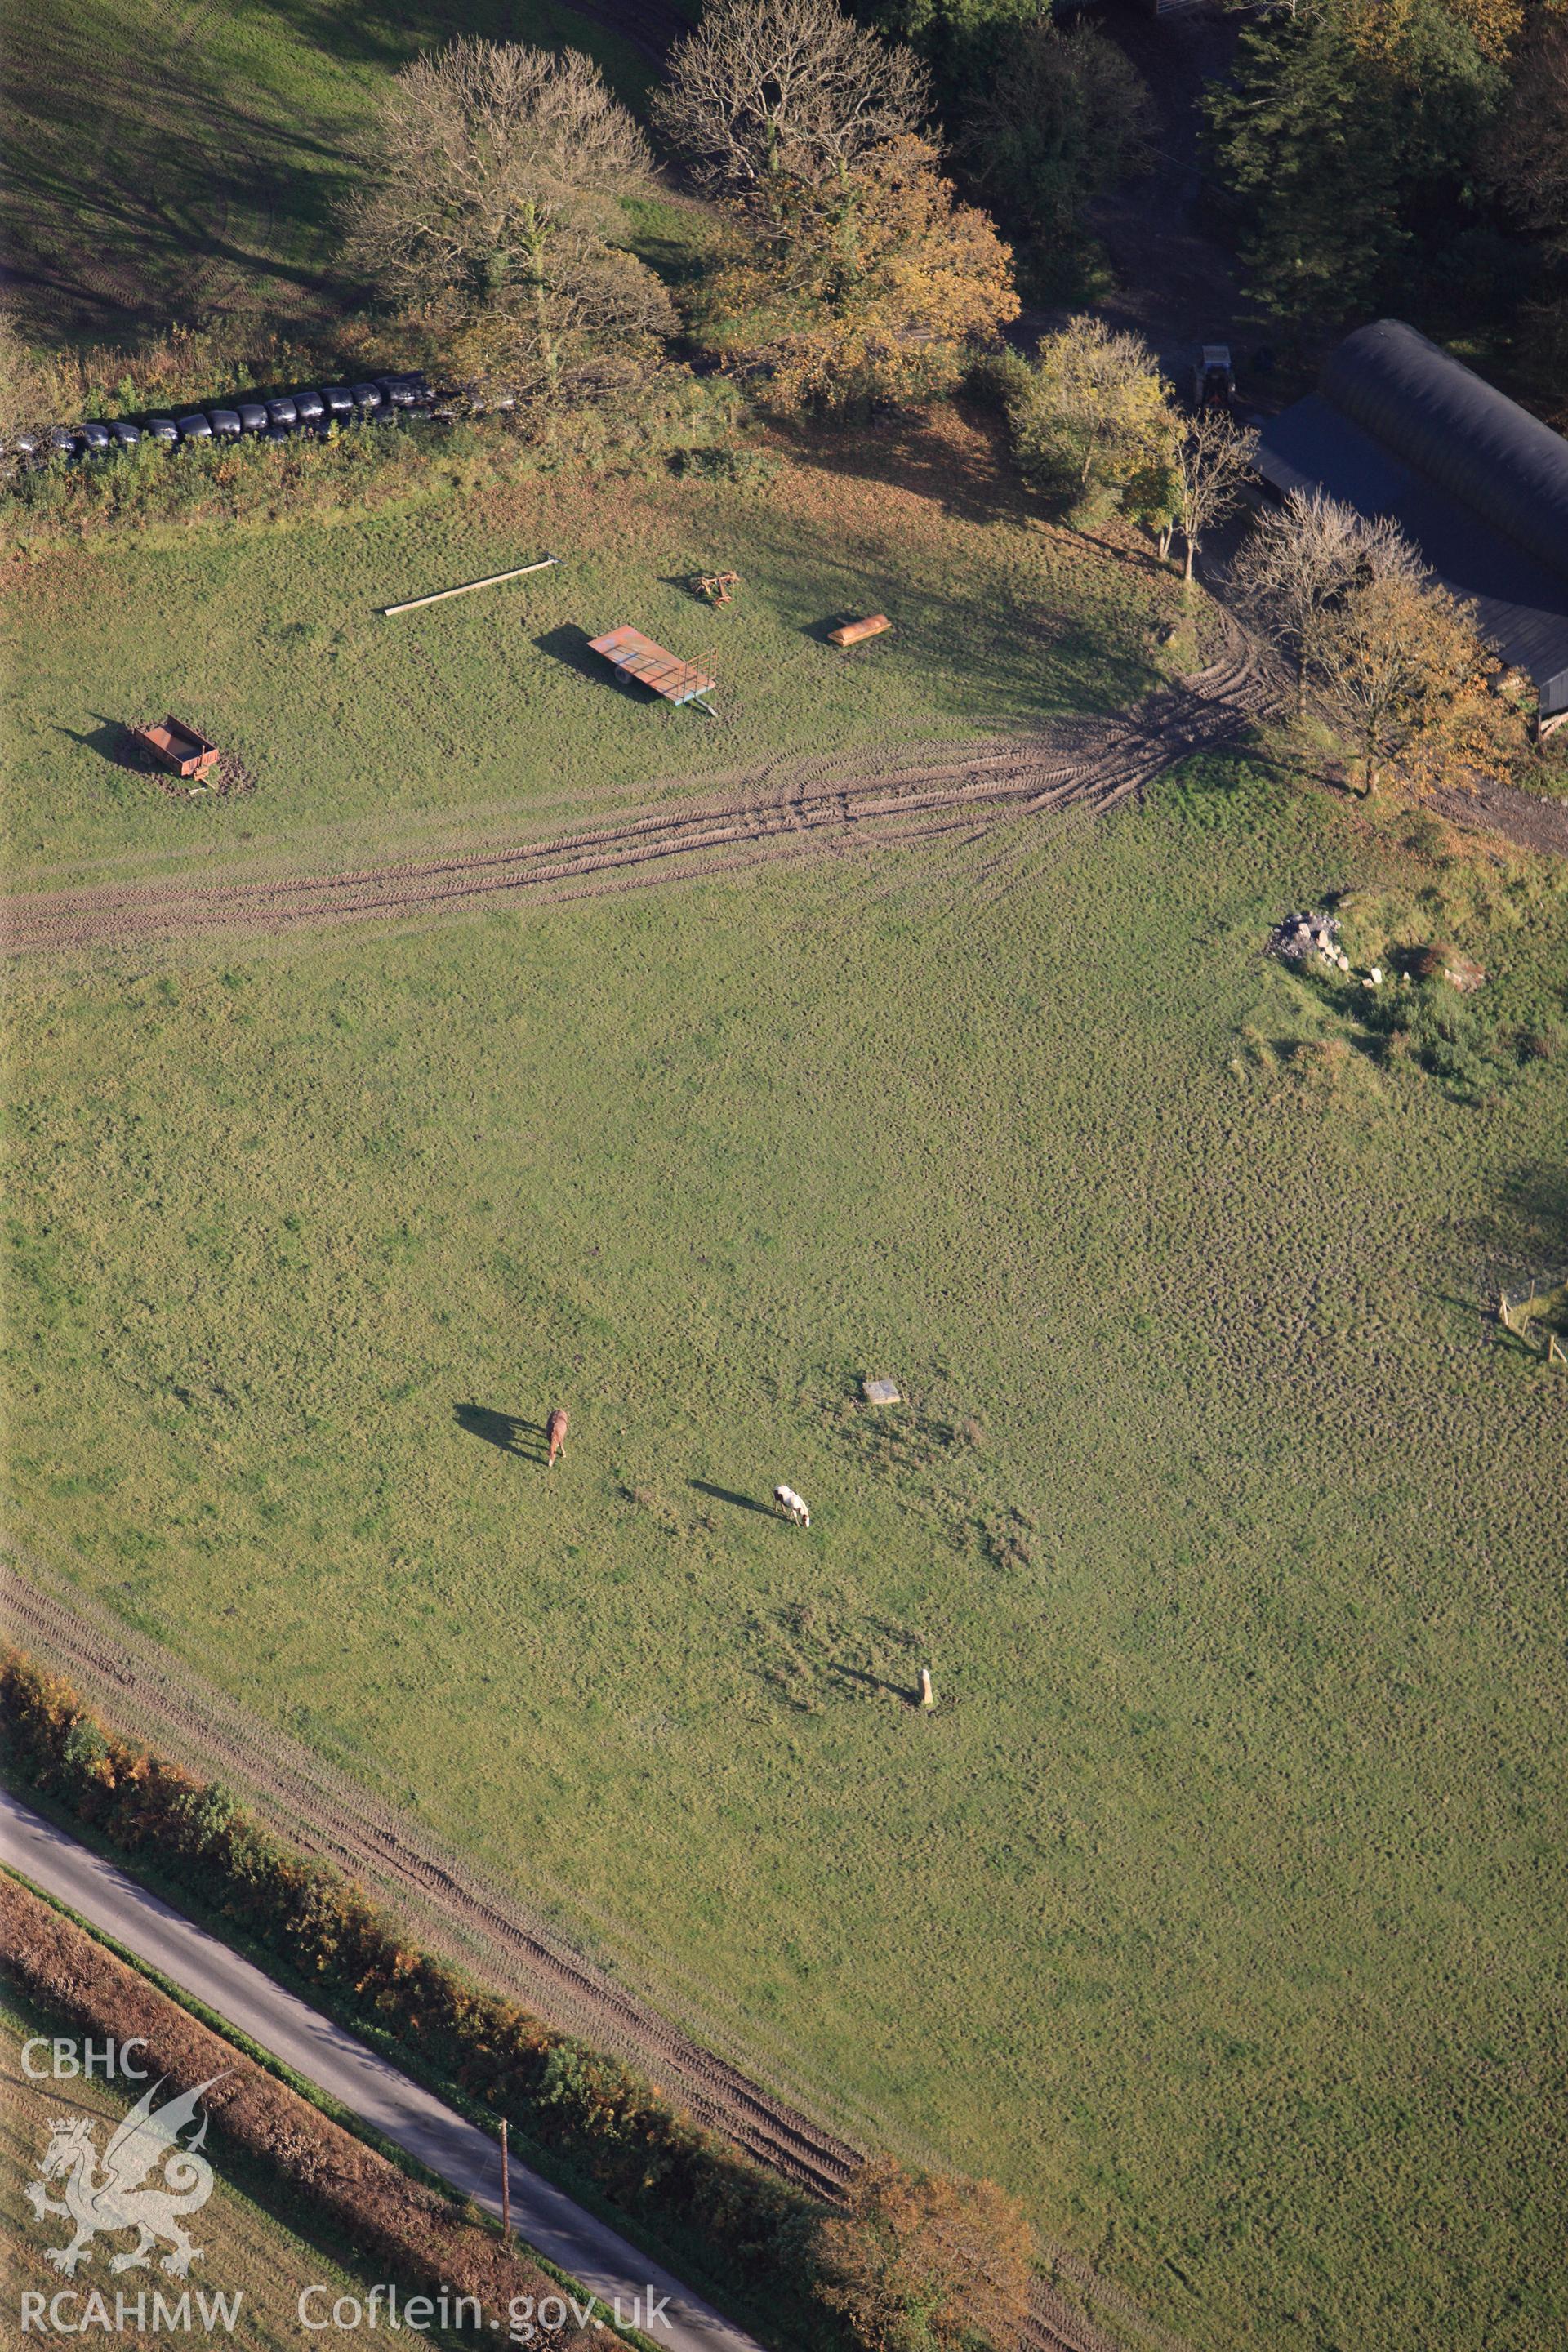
(1217, 1909)
(271, 639)
(248, 2252)
(167, 163)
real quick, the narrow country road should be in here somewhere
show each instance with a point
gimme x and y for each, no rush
(412, 2119)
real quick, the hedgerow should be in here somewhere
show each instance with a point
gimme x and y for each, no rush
(640, 2152)
(429, 2242)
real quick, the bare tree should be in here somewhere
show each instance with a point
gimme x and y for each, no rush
(1302, 555)
(497, 216)
(790, 87)
(1211, 462)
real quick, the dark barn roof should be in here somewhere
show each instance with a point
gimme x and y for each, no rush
(1398, 427)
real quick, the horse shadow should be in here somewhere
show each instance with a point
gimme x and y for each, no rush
(505, 1431)
(737, 1502)
(906, 1692)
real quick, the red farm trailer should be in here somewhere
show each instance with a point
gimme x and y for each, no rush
(175, 745)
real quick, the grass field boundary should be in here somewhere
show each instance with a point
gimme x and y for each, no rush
(303, 2089)
(306, 1801)
(406, 2056)
(23, 2015)
(1057, 2325)
(67, 1966)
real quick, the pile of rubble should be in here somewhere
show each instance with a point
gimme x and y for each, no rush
(1441, 962)
(1301, 935)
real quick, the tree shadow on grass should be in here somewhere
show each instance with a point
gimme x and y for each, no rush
(505, 1431)
(132, 187)
(1524, 1226)
(979, 487)
(738, 1502)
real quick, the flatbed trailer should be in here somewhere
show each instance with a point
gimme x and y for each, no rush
(633, 656)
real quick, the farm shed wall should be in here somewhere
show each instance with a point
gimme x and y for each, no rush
(1399, 427)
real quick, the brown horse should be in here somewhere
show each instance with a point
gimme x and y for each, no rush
(555, 1435)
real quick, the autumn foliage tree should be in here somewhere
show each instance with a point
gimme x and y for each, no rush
(1300, 558)
(495, 224)
(1093, 414)
(916, 2263)
(867, 285)
(1403, 675)
(1389, 657)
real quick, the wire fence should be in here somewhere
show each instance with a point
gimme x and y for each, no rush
(1518, 1290)
(1521, 1294)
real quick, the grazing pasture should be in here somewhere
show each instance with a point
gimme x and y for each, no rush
(272, 640)
(1216, 1905)
(168, 163)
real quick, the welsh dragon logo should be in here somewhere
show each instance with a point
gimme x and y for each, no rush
(126, 2190)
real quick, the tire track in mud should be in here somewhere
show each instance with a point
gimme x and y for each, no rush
(790, 808)
(787, 812)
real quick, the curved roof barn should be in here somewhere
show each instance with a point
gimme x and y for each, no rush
(1399, 427)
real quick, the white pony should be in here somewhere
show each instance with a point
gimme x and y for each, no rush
(792, 1505)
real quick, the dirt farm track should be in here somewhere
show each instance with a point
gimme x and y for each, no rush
(1081, 771)
(796, 806)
